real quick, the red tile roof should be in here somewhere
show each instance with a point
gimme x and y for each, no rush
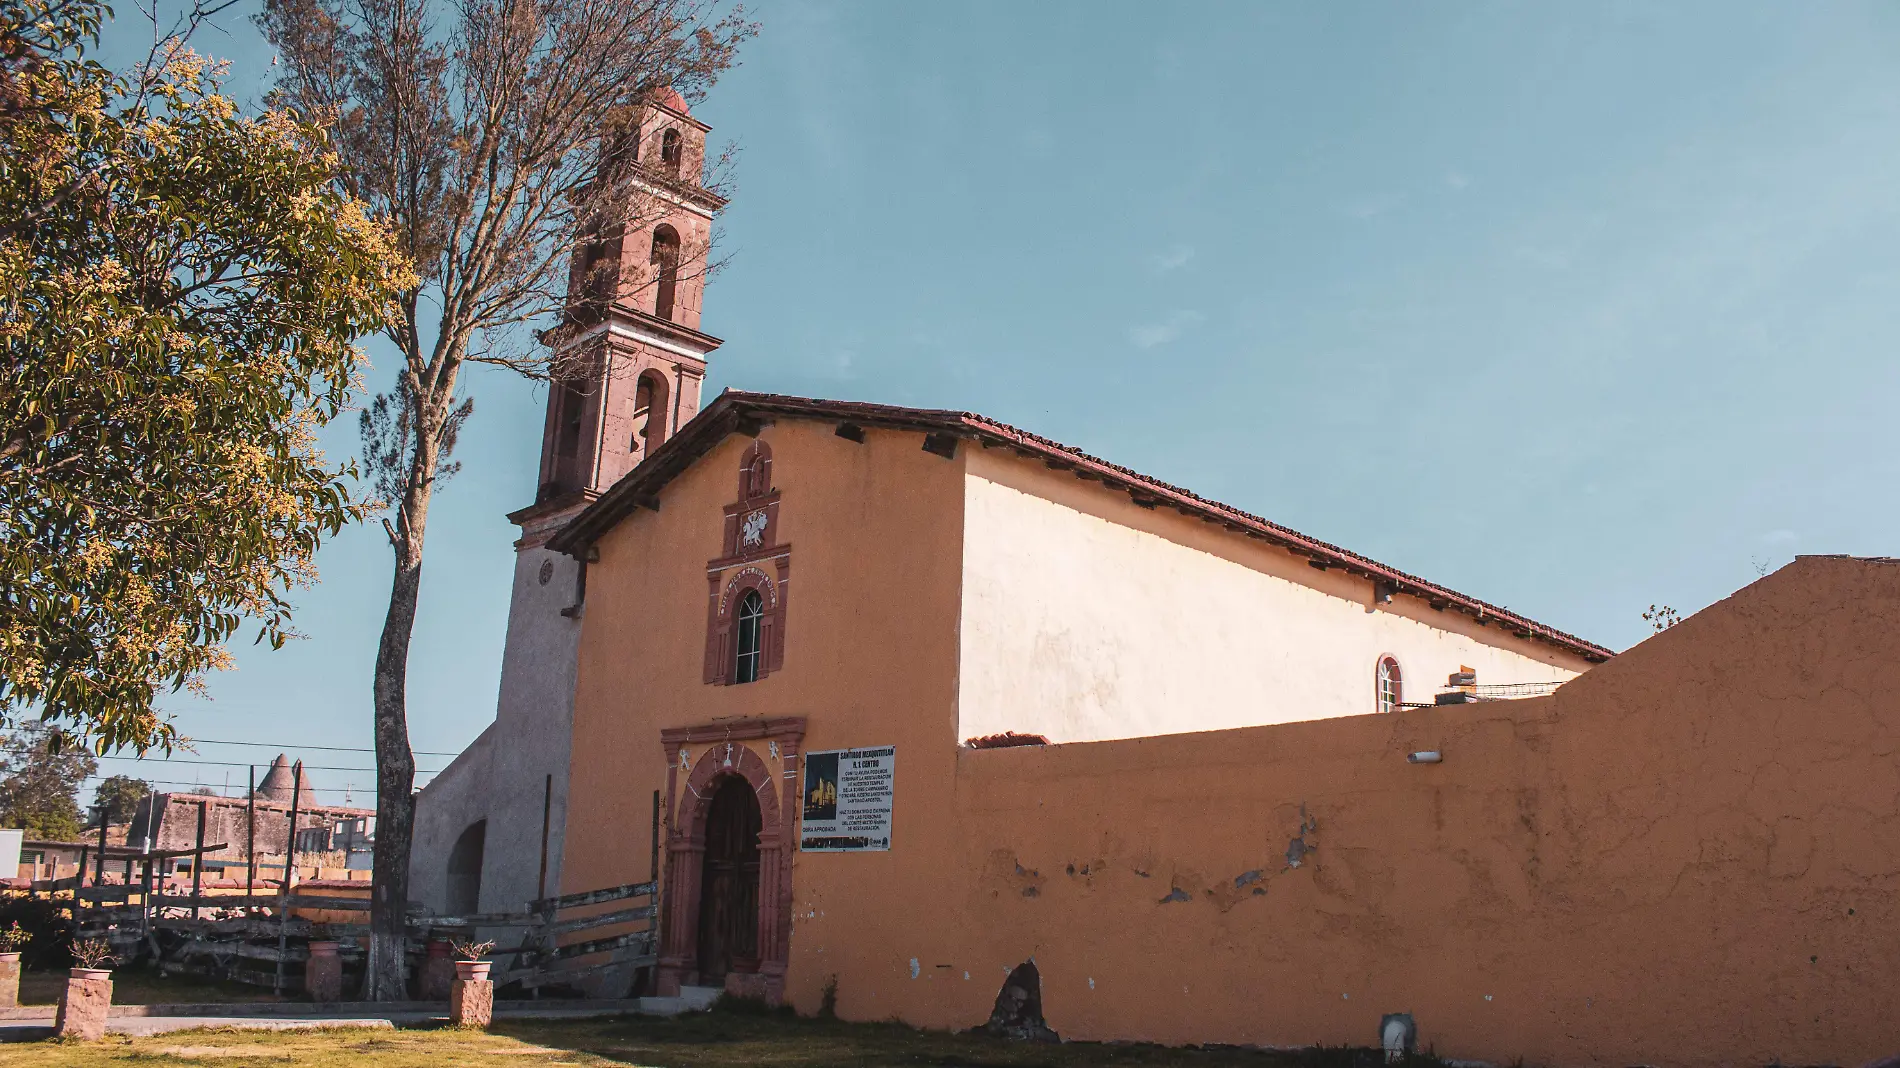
(671, 98)
(738, 411)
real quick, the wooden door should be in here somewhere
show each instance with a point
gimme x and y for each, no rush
(729, 883)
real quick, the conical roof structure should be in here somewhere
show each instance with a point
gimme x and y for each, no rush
(280, 781)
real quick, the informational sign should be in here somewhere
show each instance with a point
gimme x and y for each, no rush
(848, 800)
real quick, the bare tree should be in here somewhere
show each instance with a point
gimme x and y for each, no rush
(491, 133)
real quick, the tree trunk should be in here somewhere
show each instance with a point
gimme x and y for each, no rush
(385, 978)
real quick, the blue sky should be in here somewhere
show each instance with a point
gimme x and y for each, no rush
(1574, 308)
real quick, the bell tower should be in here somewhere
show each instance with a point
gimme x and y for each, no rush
(628, 359)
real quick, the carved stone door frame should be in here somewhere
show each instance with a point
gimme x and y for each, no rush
(714, 752)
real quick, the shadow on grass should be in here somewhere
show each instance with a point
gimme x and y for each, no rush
(752, 1036)
(144, 986)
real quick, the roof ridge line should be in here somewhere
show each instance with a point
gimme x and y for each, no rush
(724, 414)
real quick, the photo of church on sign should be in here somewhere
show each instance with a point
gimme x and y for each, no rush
(848, 800)
(821, 786)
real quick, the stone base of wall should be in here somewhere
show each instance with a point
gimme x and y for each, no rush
(756, 986)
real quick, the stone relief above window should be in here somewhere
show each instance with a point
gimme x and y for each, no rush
(752, 530)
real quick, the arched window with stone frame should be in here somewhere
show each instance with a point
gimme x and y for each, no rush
(746, 639)
(1388, 684)
(748, 628)
(672, 150)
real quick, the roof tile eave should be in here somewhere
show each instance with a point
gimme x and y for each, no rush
(705, 429)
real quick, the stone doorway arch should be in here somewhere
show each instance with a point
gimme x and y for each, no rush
(719, 758)
(728, 930)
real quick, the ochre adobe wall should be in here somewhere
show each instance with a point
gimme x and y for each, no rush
(1687, 856)
(875, 534)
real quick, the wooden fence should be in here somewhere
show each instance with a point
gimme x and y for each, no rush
(263, 938)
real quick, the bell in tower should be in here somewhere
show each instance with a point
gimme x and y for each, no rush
(629, 356)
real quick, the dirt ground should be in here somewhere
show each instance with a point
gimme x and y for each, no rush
(706, 1040)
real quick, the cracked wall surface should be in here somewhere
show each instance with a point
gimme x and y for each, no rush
(1687, 856)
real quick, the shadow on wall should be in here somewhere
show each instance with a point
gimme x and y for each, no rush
(464, 882)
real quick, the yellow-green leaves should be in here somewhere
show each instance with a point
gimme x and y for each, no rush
(181, 291)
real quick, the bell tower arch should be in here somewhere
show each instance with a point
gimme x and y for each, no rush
(629, 357)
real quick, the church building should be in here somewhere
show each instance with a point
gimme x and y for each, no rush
(961, 584)
(924, 715)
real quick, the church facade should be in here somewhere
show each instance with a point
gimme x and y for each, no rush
(791, 576)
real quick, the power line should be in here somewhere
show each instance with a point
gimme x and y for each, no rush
(208, 763)
(306, 789)
(279, 746)
(288, 748)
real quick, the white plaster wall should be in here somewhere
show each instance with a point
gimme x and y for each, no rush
(503, 777)
(534, 734)
(1081, 626)
(456, 797)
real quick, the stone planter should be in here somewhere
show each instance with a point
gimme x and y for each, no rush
(84, 1005)
(9, 980)
(323, 973)
(437, 972)
(472, 969)
(472, 1000)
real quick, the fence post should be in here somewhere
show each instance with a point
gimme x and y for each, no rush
(145, 883)
(99, 862)
(250, 840)
(290, 867)
(547, 809)
(198, 863)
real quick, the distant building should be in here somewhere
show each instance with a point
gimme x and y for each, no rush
(170, 821)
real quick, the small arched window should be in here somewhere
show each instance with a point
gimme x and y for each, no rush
(1390, 692)
(570, 411)
(745, 626)
(597, 276)
(747, 651)
(666, 261)
(671, 151)
(755, 471)
(620, 149)
(649, 414)
(464, 877)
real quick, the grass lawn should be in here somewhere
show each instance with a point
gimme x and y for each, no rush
(705, 1040)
